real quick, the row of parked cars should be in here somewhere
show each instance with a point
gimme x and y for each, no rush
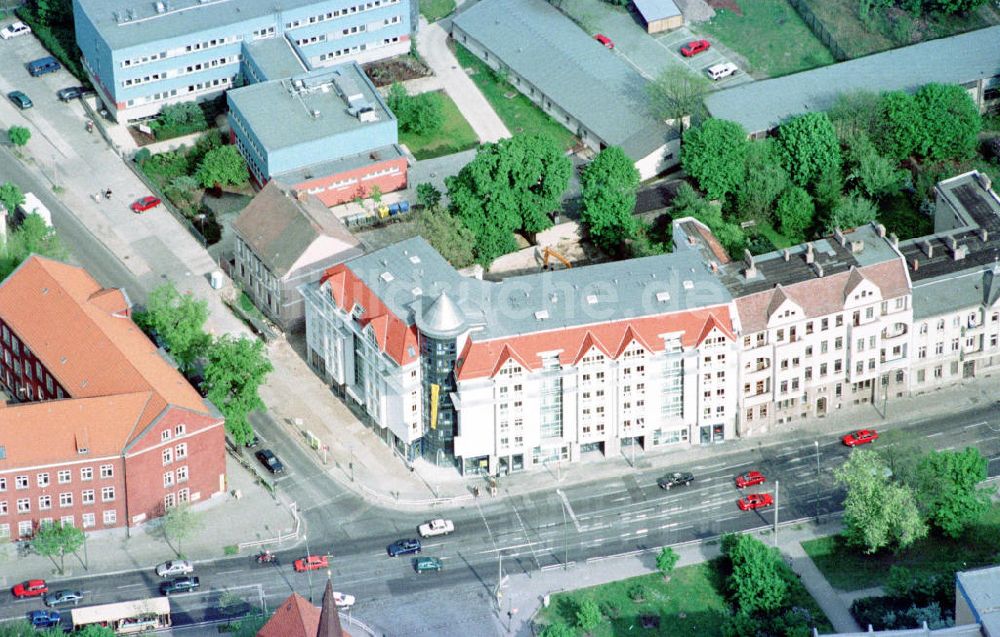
(37, 68)
(412, 546)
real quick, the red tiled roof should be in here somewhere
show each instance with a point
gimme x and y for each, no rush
(393, 335)
(295, 617)
(484, 358)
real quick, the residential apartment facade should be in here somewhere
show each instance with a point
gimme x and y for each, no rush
(126, 437)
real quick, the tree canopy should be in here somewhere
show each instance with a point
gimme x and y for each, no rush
(688, 203)
(810, 147)
(18, 135)
(852, 212)
(756, 582)
(950, 495)
(795, 210)
(714, 154)
(222, 166)
(763, 180)
(448, 235)
(235, 371)
(11, 196)
(609, 184)
(179, 524)
(950, 122)
(418, 114)
(54, 540)
(178, 319)
(677, 93)
(897, 129)
(33, 236)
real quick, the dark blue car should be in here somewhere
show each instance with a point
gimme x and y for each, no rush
(44, 618)
(403, 547)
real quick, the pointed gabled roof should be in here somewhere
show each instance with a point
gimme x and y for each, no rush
(627, 338)
(777, 298)
(589, 341)
(295, 616)
(442, 319)
(329, 620)
(710, 325)
(854, 279)
(506, 354)
(991, 286)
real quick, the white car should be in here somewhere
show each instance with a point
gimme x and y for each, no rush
(14, 30)
(720, 71)
(436, 527)
(174, 567)
(343, 600)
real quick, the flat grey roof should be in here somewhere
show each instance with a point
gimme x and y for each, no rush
(763, 105)
(981, 588)
(336, 166)
(953, 292)
(588, 81)
(276, 58)
(653, 10)
(282, 115)
(127, 23)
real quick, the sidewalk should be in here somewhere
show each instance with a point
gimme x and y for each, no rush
(524, 593)
(225, 522)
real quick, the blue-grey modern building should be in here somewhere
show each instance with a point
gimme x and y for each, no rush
(143, 55)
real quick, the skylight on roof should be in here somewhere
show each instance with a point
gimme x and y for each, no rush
(591, 299)
(414, 259)
(689, 284)
(541, 315)
(416, 291)
(663, 297)
(387, 277)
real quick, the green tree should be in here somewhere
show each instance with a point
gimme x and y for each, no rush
(874, 174)
(448, 235)
(949, 490)
(902, 452)
(666, 560)
(182, 114)
(510, 185)
(426, 116)
(235, 371)
(17, 628)
(810, 147)
(222, 166)
(756, 581)
(954, 6)
(33, 236)
(677, 93)
(558, 629)
(878, 513)
(397, 100)
(714, 154)
(898, 126)
(178, 319)
(18, 135)
(54, 540)
(11, 196)
(951, 122)
(609, 184)
(428, 195)
(94, 630)
(375, 194)
(183, 188)
(588, 615)
(855, 113)
(795, 211)
(180, 523)
(762, 182)
(851, 212)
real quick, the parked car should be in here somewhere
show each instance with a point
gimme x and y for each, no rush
(422, 564)
(343, 600)
(403, 547)
(63, 597)
(44, 65)
(14, 30)
(30, 588)
(720, 71)
(755, 501)
(860, 437)
(605, 40)
(436, 527)
(695, 47)
(749, 479)
(44, 618)
(180, 585)
(20, 100)
(675, 479)
(311, 563)
(70, 93)
(174, 567)
(270, 461)
(144, 204)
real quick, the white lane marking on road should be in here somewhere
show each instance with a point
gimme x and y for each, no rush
(794, 460)
(940, 433)
(642, 532)
(131, 585)
(238, 570)
(569, 509)
(978, 424)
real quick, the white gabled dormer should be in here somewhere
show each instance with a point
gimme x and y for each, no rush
(782, 309)
(860, 291)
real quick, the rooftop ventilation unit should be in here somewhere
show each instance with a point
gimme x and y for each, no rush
(414, 259)
(315, 113)
(663, 297)
(416, 291)
(591, 299)
(541, 315)
(367, 114)
(688, 284)
(387, 277)
(160, 7)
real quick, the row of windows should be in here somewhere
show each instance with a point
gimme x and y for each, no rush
(88, 496)
(331, 15)
(971, 321)
(26, 528)
(64, 476)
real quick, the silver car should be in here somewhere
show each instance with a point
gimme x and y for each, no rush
(174, 567)
(56, 598)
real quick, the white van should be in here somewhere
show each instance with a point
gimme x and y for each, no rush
(720, 71)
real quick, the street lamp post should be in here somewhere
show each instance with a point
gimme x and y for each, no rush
(816, 442)
(308, 571)
(776, 501)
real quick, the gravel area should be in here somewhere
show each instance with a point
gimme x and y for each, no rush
(695, 10)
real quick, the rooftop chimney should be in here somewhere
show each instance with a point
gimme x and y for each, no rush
(818, 269)
(959, 253)
(983, 235)
(880, 229)
(894, 239)
(928, 249)
(810, 256)
(916, 265)
(839, 236)
(787, 254)
(952, 243)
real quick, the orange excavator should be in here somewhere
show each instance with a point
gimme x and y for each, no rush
(548, 253)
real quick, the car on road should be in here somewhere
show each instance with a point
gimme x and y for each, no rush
(749, 479)
(860, 437)
(15, 29)
(311, 563)
(343, 600)
(44, 618)
(30, 588)
(180, 585)
(270, 461)
(403, 547)
(144, 204)
(605, 40)
(62, 597)
(695, 47)
(436, 527)
(20, 100)
(755, 501)
(69, 93)
(174, 567)
(675, 479)
(421, 564)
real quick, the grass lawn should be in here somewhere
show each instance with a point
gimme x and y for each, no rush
(691, 604)
(455, 135)
(434, 10)
(771, 36)
(848, 569)
(518, 112)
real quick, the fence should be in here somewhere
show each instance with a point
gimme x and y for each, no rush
(819, 30)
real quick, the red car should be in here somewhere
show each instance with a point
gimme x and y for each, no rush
(860, 437)
(311, 563)
(695, 47)
(755, 501)
(30, 588)
(605, 40)
(749, 479)
(146, 203)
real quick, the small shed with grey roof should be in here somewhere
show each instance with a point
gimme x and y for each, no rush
(585, 87)
(969, 59)
(285, 239)
(659, 15)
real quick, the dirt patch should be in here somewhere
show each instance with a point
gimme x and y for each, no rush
(728, 5)
(401, 69)
(141, 138)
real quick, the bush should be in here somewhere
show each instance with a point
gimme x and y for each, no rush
(176, 120)
(164, 167)
(892, 613)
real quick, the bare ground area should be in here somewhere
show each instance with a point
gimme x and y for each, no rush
(401, 69)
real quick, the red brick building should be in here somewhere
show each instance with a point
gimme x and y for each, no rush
(100, 431)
